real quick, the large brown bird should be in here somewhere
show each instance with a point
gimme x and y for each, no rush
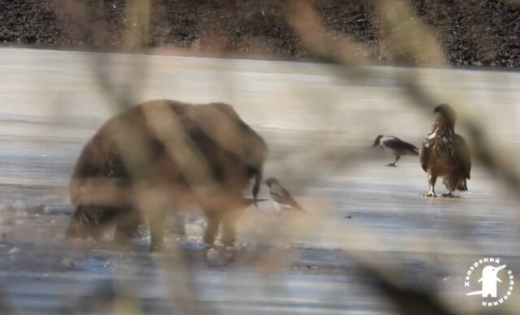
(445, 154)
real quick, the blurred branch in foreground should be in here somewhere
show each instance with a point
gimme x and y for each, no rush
(405, 36)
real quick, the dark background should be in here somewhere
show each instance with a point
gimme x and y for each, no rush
(472, 32)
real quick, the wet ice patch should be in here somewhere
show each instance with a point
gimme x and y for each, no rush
(96, 265)
(14, 250)
(195, 228)
(19, 206)
(142, 242)
(59, 208)
(7, 216)
(219, 256)
(67, 262)
(17, 212)
(193, 245)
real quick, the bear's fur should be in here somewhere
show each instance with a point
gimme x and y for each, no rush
(165, 154)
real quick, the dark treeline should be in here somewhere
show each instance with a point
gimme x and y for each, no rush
(472, 32)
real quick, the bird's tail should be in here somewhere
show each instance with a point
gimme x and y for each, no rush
(300, 209)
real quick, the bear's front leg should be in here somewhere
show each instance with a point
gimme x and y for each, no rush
(156, 219)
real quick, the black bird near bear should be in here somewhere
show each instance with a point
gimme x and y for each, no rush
(196, 154)
(445, 154)
(396, 147)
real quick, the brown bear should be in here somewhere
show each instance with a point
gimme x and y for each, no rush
(165, 154)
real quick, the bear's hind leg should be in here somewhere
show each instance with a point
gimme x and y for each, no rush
(213, 220)
(156, 219)
(127, 226)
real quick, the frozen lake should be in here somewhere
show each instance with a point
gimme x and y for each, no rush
(51, 103)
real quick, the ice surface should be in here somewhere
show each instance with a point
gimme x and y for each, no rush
(308, 114)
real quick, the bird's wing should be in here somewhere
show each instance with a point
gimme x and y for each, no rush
(294, 204)
(424, 155)
(398, 144)
(462, 154)
(281, 195)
